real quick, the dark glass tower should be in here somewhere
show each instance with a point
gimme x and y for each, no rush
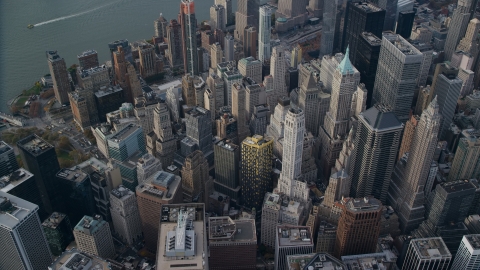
(227, 169)
(189, 31)
(366, 61)
(405, 23)
(8, 161)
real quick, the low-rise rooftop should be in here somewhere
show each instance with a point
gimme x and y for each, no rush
(73, 174)
(54, 220)
(75, 260)
(90, 225)
(430, 248)
(225, 230)
(294, 236)
(34, 145)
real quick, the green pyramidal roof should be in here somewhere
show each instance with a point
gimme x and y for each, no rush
(346, 66)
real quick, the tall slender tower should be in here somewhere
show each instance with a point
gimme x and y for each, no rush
(189, 36)
(458, 25)
(406, 193)
(165, 144)
(328, 31)
(278, 70)
(265, 24)
(292, 156)
(58, 70)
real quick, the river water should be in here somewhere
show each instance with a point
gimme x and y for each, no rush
(71, 27)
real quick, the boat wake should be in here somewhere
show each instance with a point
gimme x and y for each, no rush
(72, 16)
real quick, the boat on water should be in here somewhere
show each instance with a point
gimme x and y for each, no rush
(30, 26)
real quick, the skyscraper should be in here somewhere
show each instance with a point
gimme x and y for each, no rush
(465, 163)
(239, 110)
(247, 14)
(397, 73)
(125, 215)
(58, 232)
(309, 100)
(188, 22)
(293, 14)
(217, 17)
(24, 245)
(249, 67)
(406, 193)
(92, 235)
(195, 177)
(469, 43)
(59, 73)
(358, 227)
(265, 22)
(376, 146)
(427, 253)
(366, 61)
(407, 136)
(361, 17)
(40, 158)
(291, 240)
(227, 168)
(468, 254)
(8, 161)
(328, 30)
(160, 26)
(250, 37)
(88, 59)
(256, 166)
(174, 37)
(150, 65)
(229, 16)
(276, 128)
(289, 182)
(228, 48)
(278, 70)
(405, 23)
(162, 142)
(458, 25)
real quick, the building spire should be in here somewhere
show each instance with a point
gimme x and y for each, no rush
(346, 67)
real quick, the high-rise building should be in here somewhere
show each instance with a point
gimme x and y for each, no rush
(239, 110)
(159, 189)
(407, 136)
(289, 182)
(125, 142)
(24, 245)
(292, 15)
(468, 254)
(227, 168)
(405, 23)
(217, 17)
(250, 37)
(427, 50)
(227, 5)
(216, 54)
(465, 163)
(59, 73)
(183, 231)
(58, 232)
(125, 45)
(291, 240)
(377, 141)
(92, 235)
(264, 27)
(229, 248)
(191, 88)
(161, 141)
(390, 7)
(40, 158)
(254, 95)
(278, 71)
(309, 100)
(79, 109)
(406, 192)
(329, 25)
(247, 14)
(467, 77)
(251, 68)
(458, 25)
(150, 65)
(344, 81)
(160, 26)
(256, 166)
(8, 161)
(147, 165)
(259, 119)
(397, 74)
(326, 237)
(366, 60)
(88, 59)
(228, 48)
(188, 22)
(469, 43)
(276, 128)
(125, 215)
(361, 17)
(358, 227)
(174, 37)
(427, 253)
(194, 177)
(125, 76)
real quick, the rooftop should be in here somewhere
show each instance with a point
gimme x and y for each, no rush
(371, 38)
(53, 220)
(34, 145)
(104, 91)
(125, 132)
(380, 120)
(324, 261)
(91, 71)
(162, 185)
(458, 186)
(380, 261)
(430, 248)
(90, 225)
(4, 147)
(8, 182)
(473, 240)
(76, 260)
(367, 7)
(224, 229)
(121, 192)
(14, 210)
(257, 140)
(366, 204)
(294, 236)
(73, 174)
(87, 53)
(227, 144)
(401, 44)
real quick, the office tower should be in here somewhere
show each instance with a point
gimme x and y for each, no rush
(468, 254)
(292, 78)
(291, 240)
(239, 110)
(230, 75)
(397, 74)
(79, 109)
(22, 184)
(256, 166)
(254, 96)
(250, 37)
(361, 17)
(327, 234)
(465, 163)
(217, 17)
(446, 88)
(124, 44)
(125, 215)
(458, 25)
(160, 26)
(276, 128)
(427, 253)
(251, 68)
(230, 248)
(293, 14)
(265, 22)
(338, 187)
(125, 142)
(423, 99)
(216, 54)
(216, 85)
(88, 59)
(92, 235)
(377, 141)
(174, 38)
(258, 120)
(366, 61)
(24, 245)
(227, 162)
(406, 193)
(59, 73)
(8, 161)
(183, 226)
(344, 82)
(278, 70)
(407, 136)
(74, 258)
(421, 33)
(76, 192)
(162, 143)
(192, 90)
(469, 43)
(246, 14)
(40, 159)
(405, 23)
(309, 100)
(228, 48)
(208, 38)
(227, 5)
(358, 227)
(159, 189)
(427, 50)
(289, 182)
(150, 65)
(402, 7)
(126, 76)
(58, 231)
(296, 56)
(328, 30)
(467, 77)
(188, 22)
(194, 177)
